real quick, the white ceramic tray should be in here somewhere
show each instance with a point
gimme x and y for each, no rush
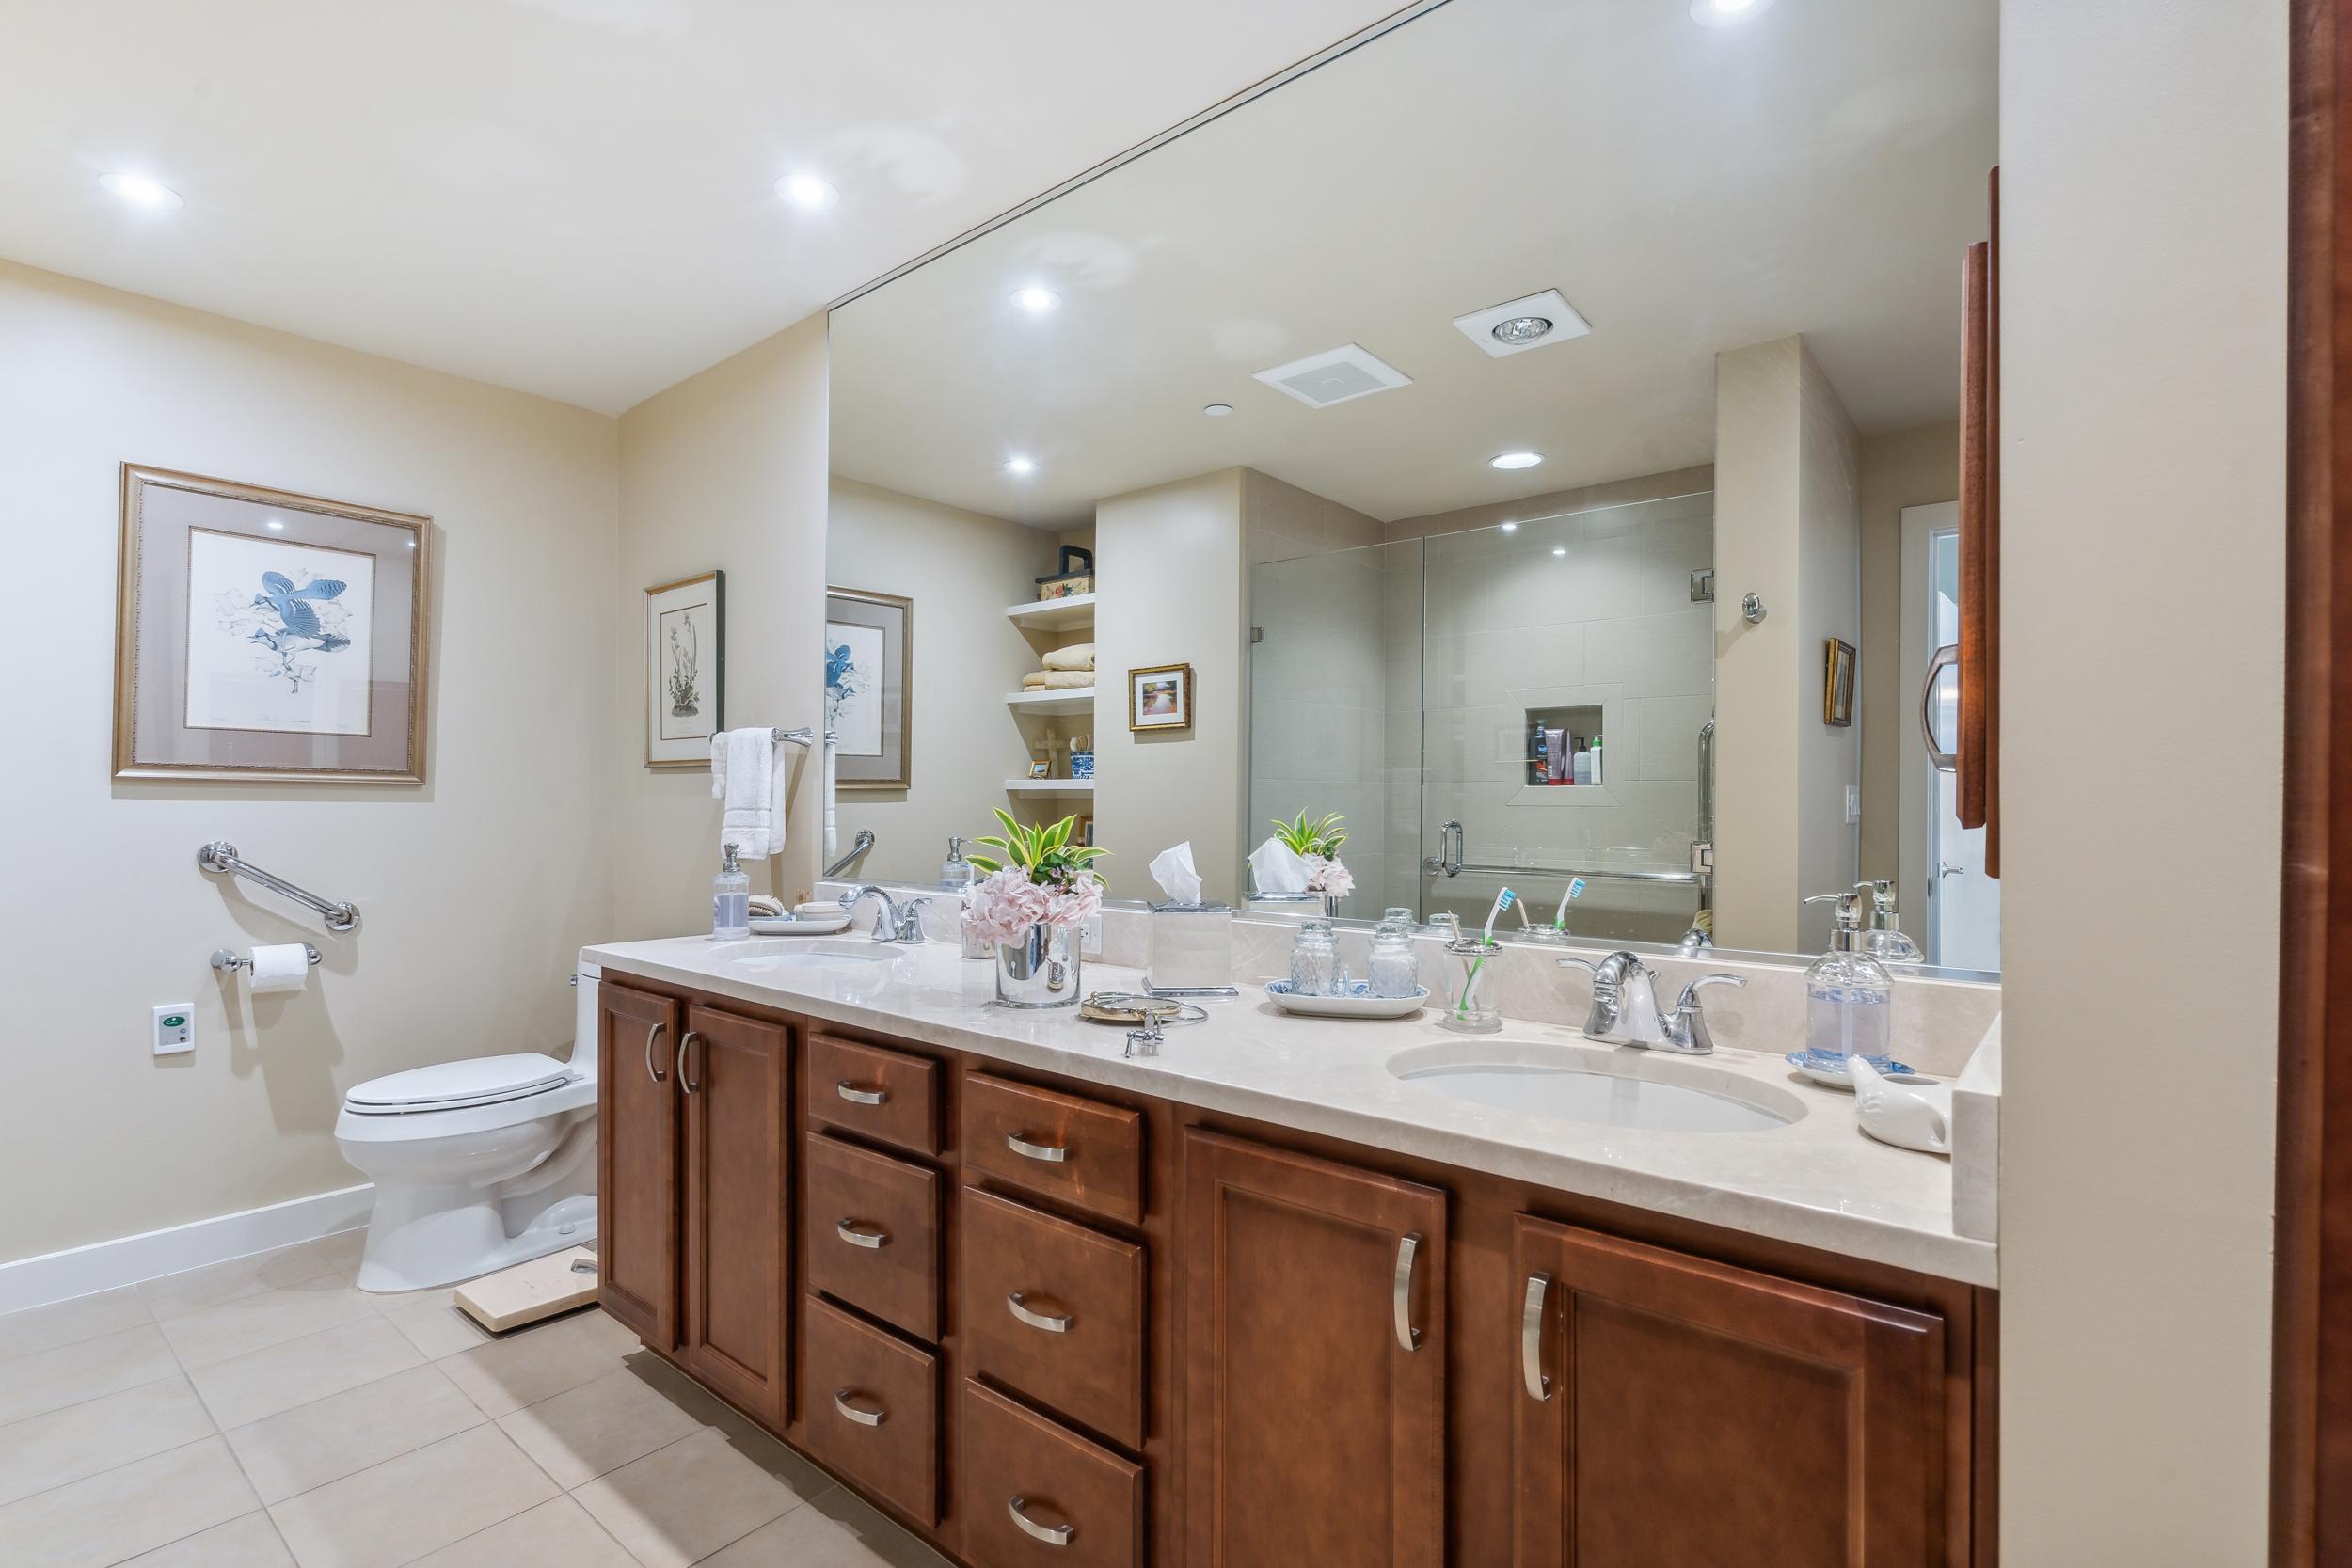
(799, 925)
(1357, 1003)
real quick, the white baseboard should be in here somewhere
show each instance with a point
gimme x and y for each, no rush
(127, 1259)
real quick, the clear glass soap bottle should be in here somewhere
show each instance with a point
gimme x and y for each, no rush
(1849, 995)
(731, 901)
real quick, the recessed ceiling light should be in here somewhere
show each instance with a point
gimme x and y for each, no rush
(278, 523)
(1520, 325)
(1559, 550)
(1519, 329)
(1722, 13)
(1020, 466)
(139, 190)
(1217, 410)
(1036, 300)
(806, 190)
(1515, 460)
(1510, 528)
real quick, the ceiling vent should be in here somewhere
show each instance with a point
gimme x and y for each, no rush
(1337, 375)
(1512, 328)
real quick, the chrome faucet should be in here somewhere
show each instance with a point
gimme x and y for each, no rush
(1625, 1008)
(895, 922)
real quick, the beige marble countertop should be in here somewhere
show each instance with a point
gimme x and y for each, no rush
(1817, 1182)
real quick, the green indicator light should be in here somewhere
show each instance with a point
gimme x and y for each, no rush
(174, 1022)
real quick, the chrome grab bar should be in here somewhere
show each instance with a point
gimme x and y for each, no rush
(858, 846)
(1401, 1292)
(220, 857)
(1941, 760)
(1679, 878)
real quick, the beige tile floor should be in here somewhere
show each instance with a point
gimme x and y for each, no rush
(264, 1413)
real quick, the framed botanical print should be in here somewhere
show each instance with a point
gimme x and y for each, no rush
(686, 670)
(869, 657)
(1837, 684)
(1160, 698)
(266, 635)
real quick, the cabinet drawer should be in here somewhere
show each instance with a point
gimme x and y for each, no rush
(872, 1405)
(1055, 1310)
(1082, 1152)
(870, 1226)
(1023, 1481)
(888, 1096)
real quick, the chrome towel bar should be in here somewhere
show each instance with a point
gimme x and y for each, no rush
(220, 858)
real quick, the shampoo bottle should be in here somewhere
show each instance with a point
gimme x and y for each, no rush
(1849, 995)
(731, 901)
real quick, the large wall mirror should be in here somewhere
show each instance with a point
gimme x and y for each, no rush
(1434, 503)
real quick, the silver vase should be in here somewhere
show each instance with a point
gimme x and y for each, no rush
(1040, 970)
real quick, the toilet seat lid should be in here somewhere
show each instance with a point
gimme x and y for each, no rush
(447, 1085)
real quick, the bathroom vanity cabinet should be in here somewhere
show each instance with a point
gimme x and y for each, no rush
(1044, 1321)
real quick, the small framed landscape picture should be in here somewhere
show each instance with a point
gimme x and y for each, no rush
(1160, 698)
(264, 635)
(1040, 768)
(1837, 682)
(1086, 830)
(686, 670)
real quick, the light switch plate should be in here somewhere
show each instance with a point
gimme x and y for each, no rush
(1853, 802)
(175, 1028)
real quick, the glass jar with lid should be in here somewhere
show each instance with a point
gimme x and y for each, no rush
(1315, 961)
(1394, 969)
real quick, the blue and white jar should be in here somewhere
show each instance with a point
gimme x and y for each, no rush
(1081, 763)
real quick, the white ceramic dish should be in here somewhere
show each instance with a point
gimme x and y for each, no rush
(1830, 1071)
(1357, 1003)
(800, 924)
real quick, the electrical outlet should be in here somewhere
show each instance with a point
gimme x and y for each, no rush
(1091, 938)
(1853, 802)
(175, 1028)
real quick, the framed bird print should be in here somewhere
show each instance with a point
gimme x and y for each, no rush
(269, 636)
(686, 670)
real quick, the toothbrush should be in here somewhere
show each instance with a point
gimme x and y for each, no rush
(1504, 900)
(1560, 915)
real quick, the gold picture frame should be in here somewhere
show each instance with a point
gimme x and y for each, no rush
(238, 657)
(1159, 697)
(1839, 670)
(685, 684)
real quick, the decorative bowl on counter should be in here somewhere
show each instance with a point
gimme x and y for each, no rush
(1356, 1002)
(799, 925)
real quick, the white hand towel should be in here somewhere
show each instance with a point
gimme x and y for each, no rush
(748, 776)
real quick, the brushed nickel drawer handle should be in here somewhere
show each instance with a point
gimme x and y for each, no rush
(1053, 1154)
(684, 1042)
(1053, 1535)
(652, 1071)
(868, 1237)
(851, 1412)
(1051, 1322)
(859, 1096)
(1401, 1295)
(1531, 1338)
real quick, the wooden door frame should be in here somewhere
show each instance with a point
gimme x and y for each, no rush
(2312, 1305)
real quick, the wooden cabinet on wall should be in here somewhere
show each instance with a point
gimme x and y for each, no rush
(1047, 1324)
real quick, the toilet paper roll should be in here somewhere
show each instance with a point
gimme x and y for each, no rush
(283, 967)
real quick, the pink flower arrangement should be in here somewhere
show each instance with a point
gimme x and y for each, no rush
(1004, 905)
(1328, 877)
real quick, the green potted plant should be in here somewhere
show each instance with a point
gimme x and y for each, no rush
(1032, 904)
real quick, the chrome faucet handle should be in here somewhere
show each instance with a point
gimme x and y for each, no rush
(909, 928)
(1607, 1020)
(1688, 1032)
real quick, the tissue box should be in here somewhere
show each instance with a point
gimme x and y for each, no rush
(1192, 950)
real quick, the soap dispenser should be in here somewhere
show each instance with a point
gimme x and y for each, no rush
(955, 871)
(731, 901)
(1849, 995)
(1884, 940)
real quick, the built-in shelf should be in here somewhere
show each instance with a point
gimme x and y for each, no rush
(1049, 787)
(1054, 615)
(1079, 700)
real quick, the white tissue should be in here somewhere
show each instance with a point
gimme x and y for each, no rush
(1176, 874)
(1277, 868)
(285, 966)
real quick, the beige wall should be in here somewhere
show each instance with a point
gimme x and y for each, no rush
(962, 569)
(474, 888)
(1899, 469)
(1170, 563)
(2143, 215)
(725, 469)
(1829, 605)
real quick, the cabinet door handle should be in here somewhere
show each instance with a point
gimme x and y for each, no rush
(851, 1412)
(685, 1040)
(1051, 1154)
(1531, 1338)
(859, 1096)
(868, 1237)
(652, 1071)
(1401, 1299)
(1051, 1322)
(1053, 1535)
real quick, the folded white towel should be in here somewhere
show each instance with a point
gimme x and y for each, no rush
(1079, 656)
(748, 776)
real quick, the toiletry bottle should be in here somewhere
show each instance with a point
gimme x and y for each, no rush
(1583, 766)
(1596, 750)
(1538, 768)
(954, 871)
(731, 901)
(1849, 995)
(1556, 757)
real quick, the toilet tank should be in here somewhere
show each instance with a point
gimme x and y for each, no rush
(584, 980)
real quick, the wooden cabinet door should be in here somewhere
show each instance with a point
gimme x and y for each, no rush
(1313, 1357)
(1671, 1410)
(637, 1207)
(732, 1073)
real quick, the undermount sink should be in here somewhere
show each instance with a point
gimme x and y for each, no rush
(782, 954)
(1643, 1090)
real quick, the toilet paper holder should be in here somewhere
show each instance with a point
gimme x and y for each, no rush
(225, 961)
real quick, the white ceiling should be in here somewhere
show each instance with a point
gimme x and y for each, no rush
(1817, 169)
(574, 196)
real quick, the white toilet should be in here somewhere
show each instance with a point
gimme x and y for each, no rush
(479, 1163)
